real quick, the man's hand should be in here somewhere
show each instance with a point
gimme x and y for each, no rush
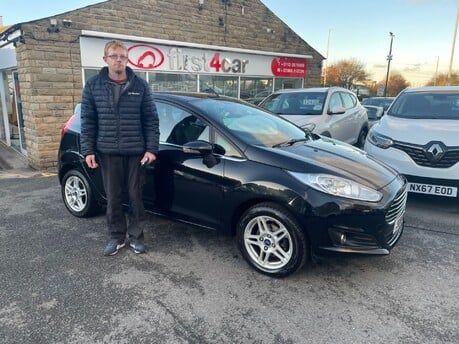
(147, 159)
(91, 161)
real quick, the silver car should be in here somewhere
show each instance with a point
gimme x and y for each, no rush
(329, 111)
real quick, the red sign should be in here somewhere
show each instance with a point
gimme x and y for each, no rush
(289, 67)
(145, 56)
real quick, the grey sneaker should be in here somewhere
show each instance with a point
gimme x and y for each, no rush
(137, 246)
(113, 246)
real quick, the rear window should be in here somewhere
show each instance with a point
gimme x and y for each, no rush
(295, 103)
(424, 105)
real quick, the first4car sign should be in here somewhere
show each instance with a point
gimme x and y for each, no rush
(439, 190)
(199, 59)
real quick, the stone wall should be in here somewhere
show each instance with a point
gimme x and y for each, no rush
(49, 63)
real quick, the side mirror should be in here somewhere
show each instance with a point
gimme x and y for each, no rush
(197, 147)
(337, 110)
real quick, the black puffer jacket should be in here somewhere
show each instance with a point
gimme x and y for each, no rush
(130, 127)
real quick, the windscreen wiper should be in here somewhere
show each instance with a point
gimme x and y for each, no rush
(290, 142)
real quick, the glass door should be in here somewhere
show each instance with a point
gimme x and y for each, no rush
(18, 141)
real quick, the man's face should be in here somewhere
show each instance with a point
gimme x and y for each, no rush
(116, 60)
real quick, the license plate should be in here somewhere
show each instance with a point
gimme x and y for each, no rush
(428, 189)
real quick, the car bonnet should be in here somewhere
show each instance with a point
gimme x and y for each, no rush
(419, 131)
(332, 157)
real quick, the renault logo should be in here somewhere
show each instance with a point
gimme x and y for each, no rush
(435, 151)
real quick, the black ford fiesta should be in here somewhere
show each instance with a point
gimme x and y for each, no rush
(229, 166)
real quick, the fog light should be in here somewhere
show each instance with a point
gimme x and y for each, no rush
(342, 239)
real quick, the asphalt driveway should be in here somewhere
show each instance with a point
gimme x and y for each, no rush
(194, 287)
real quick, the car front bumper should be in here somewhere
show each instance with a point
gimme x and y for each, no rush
(359, 227)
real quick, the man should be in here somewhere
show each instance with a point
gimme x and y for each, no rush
(120, 132)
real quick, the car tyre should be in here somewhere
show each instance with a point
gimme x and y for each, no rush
(271, 240)
(361, 139)
(77, 194)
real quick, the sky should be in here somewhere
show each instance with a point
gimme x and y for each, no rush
(352, 29)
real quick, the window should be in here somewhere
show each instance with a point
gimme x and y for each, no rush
(349, 100)
(178, 126)
(221, 85)
(225, 148)
(255, 87)
(335, 100)
(172, 82)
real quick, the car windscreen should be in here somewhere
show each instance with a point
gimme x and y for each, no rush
(426, 105)
(250, 124)
(295, 103)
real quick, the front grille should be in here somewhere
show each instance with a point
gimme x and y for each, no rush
(397, 207)
(419, 155)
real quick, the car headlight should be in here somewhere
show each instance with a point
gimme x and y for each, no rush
(379, 140)
(309, 126)
(338, 186)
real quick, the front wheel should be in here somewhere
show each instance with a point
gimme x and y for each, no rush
(361, 139)
(271, 240)
(77, 194)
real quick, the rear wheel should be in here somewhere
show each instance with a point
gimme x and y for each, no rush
(77, 194)
(271, 240)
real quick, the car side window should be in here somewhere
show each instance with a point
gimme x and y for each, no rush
(224, 147)
(178, 126)
(335, 100)
(349, 100)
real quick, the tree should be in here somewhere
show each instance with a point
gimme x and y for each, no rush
(396, 84)
(442, 80)
(346, 73)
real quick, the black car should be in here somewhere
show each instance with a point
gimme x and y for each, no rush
(232, 167)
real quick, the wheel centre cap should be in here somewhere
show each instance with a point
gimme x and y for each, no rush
(267, 242)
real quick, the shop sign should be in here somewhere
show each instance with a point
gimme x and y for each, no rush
(145, 56)
(173, 58)
(288, 67)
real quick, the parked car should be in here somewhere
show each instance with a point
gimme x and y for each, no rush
(384, 102)
(419, 137)
(329, 111)
(232, 167)
(374, 114)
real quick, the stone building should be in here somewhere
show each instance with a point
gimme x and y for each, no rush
(233, 47)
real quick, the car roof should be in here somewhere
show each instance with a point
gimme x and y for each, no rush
(189, 96)
(310, 89)
(431, 89)
(382, 98)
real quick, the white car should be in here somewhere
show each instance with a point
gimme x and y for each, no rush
(329, 111)
(419, 137)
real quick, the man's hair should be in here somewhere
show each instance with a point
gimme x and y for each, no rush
(114, 44)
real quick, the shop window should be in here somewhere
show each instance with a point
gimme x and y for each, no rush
(89, 73)
(256, 88)
(221, 85)
(172, 82)
(285, 83)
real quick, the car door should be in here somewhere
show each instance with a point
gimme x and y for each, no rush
(351, 120)
(341, 124)
(181, 184)
(336, 123)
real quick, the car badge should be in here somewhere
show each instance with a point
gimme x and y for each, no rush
(435, 151)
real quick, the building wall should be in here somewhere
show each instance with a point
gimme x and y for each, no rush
(49, 63)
